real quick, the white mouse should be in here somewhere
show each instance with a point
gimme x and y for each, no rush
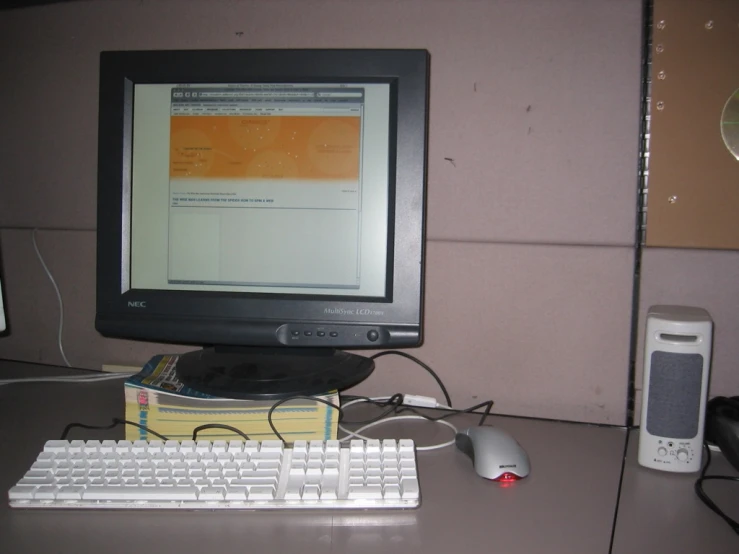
(495, 454)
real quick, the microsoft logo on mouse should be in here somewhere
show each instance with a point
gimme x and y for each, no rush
(509, 465)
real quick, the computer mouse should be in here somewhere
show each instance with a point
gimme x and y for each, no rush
(495, 454)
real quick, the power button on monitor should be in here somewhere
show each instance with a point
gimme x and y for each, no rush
(373, 335)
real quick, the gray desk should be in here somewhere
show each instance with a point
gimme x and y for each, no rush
(660, 512)
(568, 504)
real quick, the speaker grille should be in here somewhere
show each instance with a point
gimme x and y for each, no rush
(674, 395)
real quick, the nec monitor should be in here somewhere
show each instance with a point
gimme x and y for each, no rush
(267, 205)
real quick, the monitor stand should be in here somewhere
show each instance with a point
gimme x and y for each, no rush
(254, 373)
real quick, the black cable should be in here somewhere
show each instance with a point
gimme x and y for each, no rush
(422, 364)
(394, 402)
(398, 408)
(704, 497)
(282, 401)
(218, 426)
(116, 423)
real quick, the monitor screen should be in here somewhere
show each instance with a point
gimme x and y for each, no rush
(268, 188)
(265, 204)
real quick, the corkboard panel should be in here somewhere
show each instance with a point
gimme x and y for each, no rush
(693, 198)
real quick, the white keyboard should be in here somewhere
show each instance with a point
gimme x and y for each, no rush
(209, 475)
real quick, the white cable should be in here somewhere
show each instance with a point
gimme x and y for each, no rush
(58, 295)
(67, 379)
(357, 434)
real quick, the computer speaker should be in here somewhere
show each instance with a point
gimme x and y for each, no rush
(677, 358)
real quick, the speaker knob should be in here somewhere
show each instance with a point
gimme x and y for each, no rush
(662, 451)
(682, 455)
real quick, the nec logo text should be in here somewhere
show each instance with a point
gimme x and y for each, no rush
(137, 303)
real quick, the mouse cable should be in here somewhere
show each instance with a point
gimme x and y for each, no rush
(704, 497)
(116, 422)
(357, 434)
(422, 364)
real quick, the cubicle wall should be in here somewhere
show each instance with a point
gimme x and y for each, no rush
(535, 118)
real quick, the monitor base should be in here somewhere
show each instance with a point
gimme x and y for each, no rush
(253, 373)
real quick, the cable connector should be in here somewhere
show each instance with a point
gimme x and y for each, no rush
(420, 401)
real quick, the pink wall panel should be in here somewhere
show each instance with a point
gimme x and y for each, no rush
(542, 330)
(530, 221)
(536, 103)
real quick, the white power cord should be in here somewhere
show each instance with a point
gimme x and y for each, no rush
(67, 378)
(408, 400)
(58, 296)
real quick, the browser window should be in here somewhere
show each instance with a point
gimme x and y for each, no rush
(270, 188)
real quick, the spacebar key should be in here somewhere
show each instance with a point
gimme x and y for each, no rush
(140, 493)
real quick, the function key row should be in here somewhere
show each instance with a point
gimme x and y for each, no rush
(167, 447)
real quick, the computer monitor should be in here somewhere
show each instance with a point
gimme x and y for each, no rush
(267, 205)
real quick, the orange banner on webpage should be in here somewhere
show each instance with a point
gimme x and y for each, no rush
(265, 147)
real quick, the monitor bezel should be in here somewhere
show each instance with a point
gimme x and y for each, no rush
(244, 318)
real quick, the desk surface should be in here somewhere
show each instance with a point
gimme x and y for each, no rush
(660, 512)
(567, 504)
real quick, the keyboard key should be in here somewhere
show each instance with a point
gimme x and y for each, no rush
(261, 493)
(122, 447)
(272, 446)
(357, 492)
(21, 492)
(45, 492)
(187, 446)
(108, 446)
(236, 493)
(212, 493)
(56, 446)
(392, 492)
(76, 446)
(410, 489)
(254, 481)
(71, 492)
(155, 446)
(329, 493)
(311, 492)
